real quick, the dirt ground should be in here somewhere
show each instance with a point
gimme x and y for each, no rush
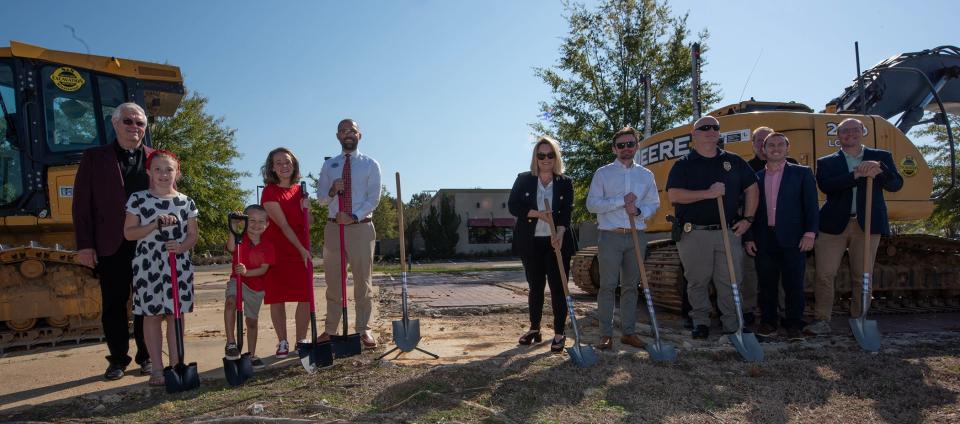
(482, 375)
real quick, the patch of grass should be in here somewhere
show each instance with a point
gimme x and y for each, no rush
(604, 405)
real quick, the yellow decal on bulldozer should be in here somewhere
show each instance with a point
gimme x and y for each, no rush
(67, 79)
(908, 166)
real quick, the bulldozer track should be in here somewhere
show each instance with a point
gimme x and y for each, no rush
(913, 273)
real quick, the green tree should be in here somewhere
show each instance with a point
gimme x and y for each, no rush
(206, 149)
(318, 215)
(385, 216)
(439, 233)
(945, 219)
(413, 221)
(597, 83)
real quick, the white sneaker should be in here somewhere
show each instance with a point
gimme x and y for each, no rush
(818, 328)
(283, 349)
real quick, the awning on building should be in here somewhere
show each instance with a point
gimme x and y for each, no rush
(479, 222)
(504, 222)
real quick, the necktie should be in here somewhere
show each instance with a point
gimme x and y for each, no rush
(347, 187)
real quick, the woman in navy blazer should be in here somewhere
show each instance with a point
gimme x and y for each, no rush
(532, 240)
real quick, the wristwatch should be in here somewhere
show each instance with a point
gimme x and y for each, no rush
(748, 219)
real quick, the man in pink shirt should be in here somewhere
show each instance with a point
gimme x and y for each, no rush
(785, 230)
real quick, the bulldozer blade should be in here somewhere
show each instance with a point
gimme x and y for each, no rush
(238, 371)
(406, 335)
(866, 333)
(747, 346)
(180, 377)
(346, 346)
(315, 355)
(661, 352)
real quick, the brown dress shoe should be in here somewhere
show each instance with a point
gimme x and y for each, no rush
(632, 340)
(605, 343)
(324, 337)
(368, 341)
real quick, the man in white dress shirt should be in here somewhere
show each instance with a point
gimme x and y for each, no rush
(356, 177)
(618, 189)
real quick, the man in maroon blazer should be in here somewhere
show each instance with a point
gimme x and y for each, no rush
(106, 178)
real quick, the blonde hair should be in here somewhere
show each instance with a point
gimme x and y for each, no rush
(558, 160)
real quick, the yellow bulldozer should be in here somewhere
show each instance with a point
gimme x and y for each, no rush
(913, 272)
(55, 105)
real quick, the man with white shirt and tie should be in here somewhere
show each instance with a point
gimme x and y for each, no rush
(618, 189)
(356, 177)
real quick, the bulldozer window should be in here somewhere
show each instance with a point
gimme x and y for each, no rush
(11, 180)
(74, 119)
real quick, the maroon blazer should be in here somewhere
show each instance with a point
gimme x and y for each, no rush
(100, 201)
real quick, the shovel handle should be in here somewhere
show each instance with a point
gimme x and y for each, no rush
(306, 236)
(553, 232)
(400, 225)
(636, 251)
(868, 209)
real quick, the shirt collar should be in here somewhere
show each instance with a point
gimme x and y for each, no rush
(620, 165)
(775, 169)
(856, 156)
(353, 154)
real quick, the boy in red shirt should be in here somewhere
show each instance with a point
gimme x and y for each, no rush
(256, 256)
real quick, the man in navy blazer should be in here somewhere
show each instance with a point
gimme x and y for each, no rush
(106, 177)
(842, 176)
(784, 230)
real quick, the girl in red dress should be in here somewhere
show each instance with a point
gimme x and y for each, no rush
(287, 280)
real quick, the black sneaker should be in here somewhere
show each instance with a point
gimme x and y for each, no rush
(700, 332)
(114, 372)
(146, 367)
(795, 335)
(257, 362)
(231, 351)
(766, 330)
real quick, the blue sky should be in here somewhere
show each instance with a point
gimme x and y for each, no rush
(444, 90)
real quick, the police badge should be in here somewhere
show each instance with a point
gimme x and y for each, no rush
(687, 227)
(726, 166)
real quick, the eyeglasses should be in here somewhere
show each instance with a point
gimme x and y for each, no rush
(543, 156)
(128, 121)
(626, 145)
(708, 127)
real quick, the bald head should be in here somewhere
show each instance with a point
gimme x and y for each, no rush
(705, 135)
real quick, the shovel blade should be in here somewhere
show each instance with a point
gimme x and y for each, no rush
(747, 346)
(406, 337)
(346, 346)
(315, 355)
(661, 352)
(582, 356)
(180, 377)
(238, 371)
(866, 333)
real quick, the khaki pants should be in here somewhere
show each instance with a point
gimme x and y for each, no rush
(359, 246)
(704, 258)
(829, 250)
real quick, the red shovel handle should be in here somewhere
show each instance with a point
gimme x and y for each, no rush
(172, 257)
(343, 259)
(306, 236)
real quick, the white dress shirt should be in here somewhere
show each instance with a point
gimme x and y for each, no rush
(364, 183)
(613, 181)
(543, 229)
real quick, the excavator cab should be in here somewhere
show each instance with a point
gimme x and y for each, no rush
(55, 105)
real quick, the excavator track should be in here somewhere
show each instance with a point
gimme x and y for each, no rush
(913, 273)
(46, 298)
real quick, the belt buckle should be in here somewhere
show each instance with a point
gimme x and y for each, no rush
(687, 227)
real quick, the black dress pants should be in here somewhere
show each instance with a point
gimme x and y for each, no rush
(540, 267)
(777, 264)
(116, 283)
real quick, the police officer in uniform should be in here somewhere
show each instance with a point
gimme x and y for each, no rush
(693, 185)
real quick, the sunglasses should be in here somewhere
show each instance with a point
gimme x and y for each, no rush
(543, 156)
(128, 121)
(708, 127)
(626, 145)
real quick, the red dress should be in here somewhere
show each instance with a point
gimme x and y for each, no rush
(287, 280)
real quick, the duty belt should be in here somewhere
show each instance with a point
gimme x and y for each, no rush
(688, 227)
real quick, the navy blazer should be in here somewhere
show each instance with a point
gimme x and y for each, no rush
(523, 198)
(797, 209)
(837, 182)
(99, 200)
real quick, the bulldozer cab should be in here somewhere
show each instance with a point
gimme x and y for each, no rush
(56, 105)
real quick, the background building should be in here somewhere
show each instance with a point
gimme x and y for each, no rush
(485, 222)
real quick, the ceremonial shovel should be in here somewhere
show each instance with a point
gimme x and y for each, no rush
(745, 343)
(658, 350)
(866, 331)
(347, 344)
(179, 377)
(582, 356)
(238, 371)
(312, 354)
(406, 332)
